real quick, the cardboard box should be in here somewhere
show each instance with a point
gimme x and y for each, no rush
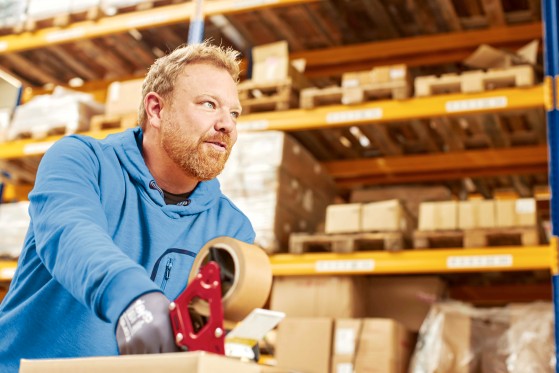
(476, 214)
(346, 337)
(438, 216)
(486, 56)
(187, 362)
(516, 212)
(343, 218)
(406, 299)
(319, 296)
(271, 63)
(124, 97)
(385, 216)
(342, 364)
(305, 344)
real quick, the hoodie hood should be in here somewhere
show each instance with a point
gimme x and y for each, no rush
(128, 148)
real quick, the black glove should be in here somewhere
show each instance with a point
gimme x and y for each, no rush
(145, 326)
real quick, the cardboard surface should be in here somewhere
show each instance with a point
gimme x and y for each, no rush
(124, 97)
(187, 362)
(438, 216)
(384, 216)
(476, 214)
(406, 299)
(304, 344)
(343, 218)
(318, 296)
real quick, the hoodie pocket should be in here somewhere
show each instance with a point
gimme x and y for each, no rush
(171, 271)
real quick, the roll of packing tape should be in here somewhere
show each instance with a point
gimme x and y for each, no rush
(250, 276)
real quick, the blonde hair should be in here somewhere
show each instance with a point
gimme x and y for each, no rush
(164, 72)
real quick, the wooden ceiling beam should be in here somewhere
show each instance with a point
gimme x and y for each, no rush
(431, 49)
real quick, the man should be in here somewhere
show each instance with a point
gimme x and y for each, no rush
(116, 223)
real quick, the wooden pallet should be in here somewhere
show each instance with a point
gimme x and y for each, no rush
(395, 90)
(41, 133)
(343, 243)
(60, 20)
(475, 81)
(103, 122)
(471, 238)
(269, 96)
(314, 97)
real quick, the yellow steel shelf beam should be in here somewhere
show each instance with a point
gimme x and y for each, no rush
(396, 110)
(7, 269)
(31, 147)
(341, 115)
(156, 17)
(416, 261)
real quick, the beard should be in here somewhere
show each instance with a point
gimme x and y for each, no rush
(195, 157)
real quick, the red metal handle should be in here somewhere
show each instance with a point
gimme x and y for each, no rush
(211, 337)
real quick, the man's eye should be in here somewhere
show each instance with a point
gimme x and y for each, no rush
(209, 104)
(235, 114)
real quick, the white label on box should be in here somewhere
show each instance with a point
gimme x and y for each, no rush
(345, 341)
(397, 73)
(525, 206)
(344, 368)
(3, 46)
(254, 125)
(37, 147)
(74, 33)
(355, 265)
(479, 261)
(476, 104)
(350, 83)
(354, 115)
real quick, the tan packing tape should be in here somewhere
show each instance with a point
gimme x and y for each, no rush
(252, 279)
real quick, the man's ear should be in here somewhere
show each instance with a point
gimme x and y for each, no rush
(153, 104)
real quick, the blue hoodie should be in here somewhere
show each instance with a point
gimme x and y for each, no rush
(100, 236)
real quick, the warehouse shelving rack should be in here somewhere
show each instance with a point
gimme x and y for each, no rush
(451, 49)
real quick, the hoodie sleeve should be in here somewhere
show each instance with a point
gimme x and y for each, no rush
(71, 232)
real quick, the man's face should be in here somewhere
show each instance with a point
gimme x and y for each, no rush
(198, 126)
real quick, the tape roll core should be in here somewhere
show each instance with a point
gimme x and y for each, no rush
(252, 277)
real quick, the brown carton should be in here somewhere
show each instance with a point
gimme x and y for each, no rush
(476, 214)
(305, 344)
(343, 218)
(124, 97)
(438, 216)
(180, 362)
(318, 296)
(385, 216)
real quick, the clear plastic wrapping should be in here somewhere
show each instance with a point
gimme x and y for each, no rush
(458, 338)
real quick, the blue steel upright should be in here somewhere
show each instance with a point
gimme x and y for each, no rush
(196, 28)
(550, 17)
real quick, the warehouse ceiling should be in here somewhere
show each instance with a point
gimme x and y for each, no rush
(333, 36)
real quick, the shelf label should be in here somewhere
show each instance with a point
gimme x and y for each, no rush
(351, 265)
(254, 125)
(7, 273)
(479, 261)
(70, 34)
(354, 115)
(475, 104)
(37, 147)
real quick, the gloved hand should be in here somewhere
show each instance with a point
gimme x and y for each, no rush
(145, 326)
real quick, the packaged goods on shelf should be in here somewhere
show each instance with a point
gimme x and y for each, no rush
(278, 184)
(63, 111)
(124, 97)
(77, 6)
(457, 337)
(319, 345)
(40, 9)
(12, 13)
(479, 223)
(275, 80)
(312, 296)
(14, 222)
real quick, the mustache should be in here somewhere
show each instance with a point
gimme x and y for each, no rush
(219, 137)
